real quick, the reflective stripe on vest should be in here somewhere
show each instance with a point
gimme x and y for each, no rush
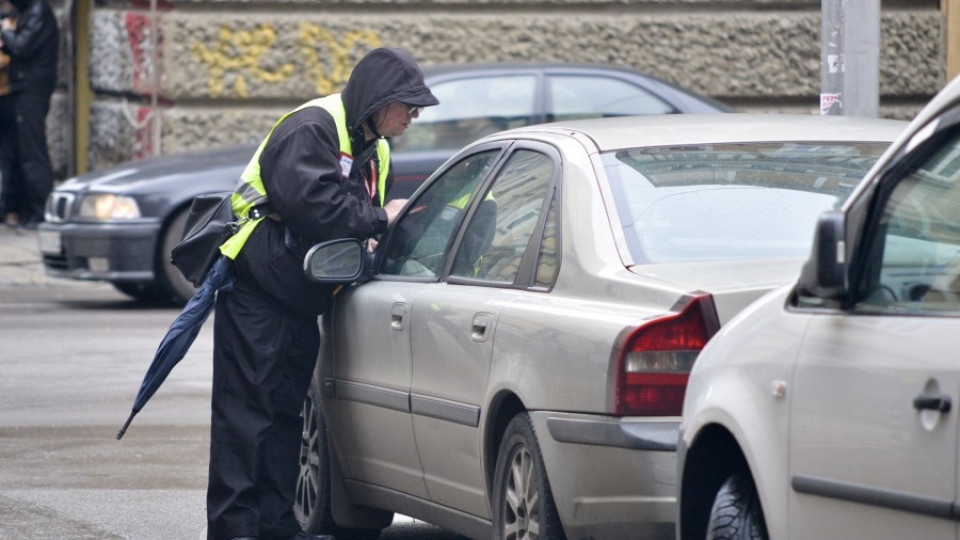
(250, 191)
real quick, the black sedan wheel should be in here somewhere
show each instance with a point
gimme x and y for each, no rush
(523, 507)
(736, 512)
(312, 504)
(169, 278)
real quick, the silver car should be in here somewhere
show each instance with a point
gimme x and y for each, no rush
(826, 409)
(512, 360)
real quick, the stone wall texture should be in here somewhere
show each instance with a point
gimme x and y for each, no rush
(228, 68)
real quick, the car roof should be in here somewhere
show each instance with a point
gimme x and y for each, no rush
(444, 69)
(676, 129)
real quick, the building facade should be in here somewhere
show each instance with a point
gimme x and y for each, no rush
(151, 77)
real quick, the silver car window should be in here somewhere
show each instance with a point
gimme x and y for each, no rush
(918, 252)
(497, 236)
(731, 201)
(421, 236)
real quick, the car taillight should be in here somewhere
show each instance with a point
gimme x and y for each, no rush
(655, 360)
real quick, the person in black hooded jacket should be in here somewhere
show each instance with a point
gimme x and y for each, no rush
(266, 336)
(33, 46)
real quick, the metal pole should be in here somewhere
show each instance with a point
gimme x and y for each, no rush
(155, 94)
(850, 57)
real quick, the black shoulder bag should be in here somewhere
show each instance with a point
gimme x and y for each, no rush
(209, 224)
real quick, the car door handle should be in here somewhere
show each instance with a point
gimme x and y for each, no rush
(932, 402)
(481, 322)
(397, 315)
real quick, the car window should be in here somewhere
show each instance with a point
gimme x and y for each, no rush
(420, 237)
(918, 247)
(574, 97)
(469, 109)
(735, 201)
(497, 236)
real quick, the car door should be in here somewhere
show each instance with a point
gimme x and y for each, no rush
(874, 420)
(373, 368)
(454, 321)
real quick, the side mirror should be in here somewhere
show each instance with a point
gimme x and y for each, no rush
(824, 275)
(337, 261)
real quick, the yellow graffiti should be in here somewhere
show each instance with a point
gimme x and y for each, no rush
(238, 52)
(313, 39)
(238, 55)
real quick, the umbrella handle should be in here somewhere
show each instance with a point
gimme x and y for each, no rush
(126, 425)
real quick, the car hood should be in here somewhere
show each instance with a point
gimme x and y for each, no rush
(733, 284)
(148, 174)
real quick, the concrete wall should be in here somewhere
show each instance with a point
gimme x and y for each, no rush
(229, 68)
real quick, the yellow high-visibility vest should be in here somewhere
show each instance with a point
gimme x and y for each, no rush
(250, 191)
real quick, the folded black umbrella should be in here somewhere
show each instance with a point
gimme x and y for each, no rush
(181, 334)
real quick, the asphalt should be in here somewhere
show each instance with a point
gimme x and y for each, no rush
(21, 266)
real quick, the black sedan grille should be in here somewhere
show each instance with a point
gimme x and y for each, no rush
(59, 206)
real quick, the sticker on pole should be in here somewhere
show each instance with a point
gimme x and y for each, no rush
(830, 104)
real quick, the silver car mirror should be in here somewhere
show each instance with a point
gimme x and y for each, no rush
(336, 261)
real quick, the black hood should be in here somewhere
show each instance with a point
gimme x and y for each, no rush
(22, 5)
(380, 78)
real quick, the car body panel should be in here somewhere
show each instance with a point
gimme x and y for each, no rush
(451, 357)
(838, 402)
(856, 365)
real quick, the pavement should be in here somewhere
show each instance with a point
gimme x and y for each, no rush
(21, 265)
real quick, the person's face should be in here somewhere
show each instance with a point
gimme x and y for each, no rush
(395, 118)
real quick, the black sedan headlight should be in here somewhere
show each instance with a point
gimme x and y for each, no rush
(108, 207)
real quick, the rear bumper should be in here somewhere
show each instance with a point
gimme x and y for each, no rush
(99, 251)
(611, 477)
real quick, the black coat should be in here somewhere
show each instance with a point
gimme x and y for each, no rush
(300, 170)
(300, 165)
(33, 48)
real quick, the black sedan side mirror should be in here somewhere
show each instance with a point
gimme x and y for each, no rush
(824, 275)
(337, 261)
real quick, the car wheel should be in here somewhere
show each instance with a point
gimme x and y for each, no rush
(169, 277)
(736, 512)
(523, 507)
(312, 504)
(142, 292)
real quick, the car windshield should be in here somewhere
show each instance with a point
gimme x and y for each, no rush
(731, 201)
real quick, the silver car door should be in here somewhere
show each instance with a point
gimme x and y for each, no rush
(874, 424)
(372, 328)
(454, 325)
(370, 418)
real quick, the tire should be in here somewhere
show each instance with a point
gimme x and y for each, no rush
(523, 507)
(736, 513)
(312, 505)
(178, 290)
(147, 293)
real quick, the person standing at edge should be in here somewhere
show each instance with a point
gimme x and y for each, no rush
(33, 46)
(321, 173)
(8, 119)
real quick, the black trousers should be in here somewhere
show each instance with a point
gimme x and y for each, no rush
(11, 196)
(266, 341)
(31, 179)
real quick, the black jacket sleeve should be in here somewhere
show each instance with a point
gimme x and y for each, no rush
(300, 168)
(33, 32)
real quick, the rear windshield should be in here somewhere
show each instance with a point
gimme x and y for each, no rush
(731, 201)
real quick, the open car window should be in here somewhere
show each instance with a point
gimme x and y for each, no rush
(422, 235)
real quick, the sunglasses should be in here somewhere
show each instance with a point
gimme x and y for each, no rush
(413, 110)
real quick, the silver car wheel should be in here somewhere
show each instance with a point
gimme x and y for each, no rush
(523, 504)
(521, 520)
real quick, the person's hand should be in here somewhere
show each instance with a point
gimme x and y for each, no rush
(393, 208)
(6, 24)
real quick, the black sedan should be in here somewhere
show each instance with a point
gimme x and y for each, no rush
(119, 224)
